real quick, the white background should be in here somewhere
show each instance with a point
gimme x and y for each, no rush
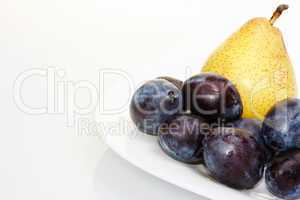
(43, 158)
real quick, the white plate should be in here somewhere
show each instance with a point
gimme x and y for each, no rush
(144, 152)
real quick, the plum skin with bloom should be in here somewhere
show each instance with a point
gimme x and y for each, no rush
(281, 127)
(181, 138)
(283, 175)
(153, 103)
(233, 157)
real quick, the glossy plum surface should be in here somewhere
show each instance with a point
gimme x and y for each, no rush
(178, 83)
(283, 175)
(181, 138)
(281, 127)
(212, 96)
(233, 157)
(153, 103)
(254, 127)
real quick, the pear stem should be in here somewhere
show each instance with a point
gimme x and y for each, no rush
(278, 12)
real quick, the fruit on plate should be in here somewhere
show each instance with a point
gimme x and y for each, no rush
(176, 82)
(181, 138)
(153, 103)
(256, 61)
(283, 175)
(233, 157)
(254, 127)
(281, 127)
(215, 118)
(212, 97)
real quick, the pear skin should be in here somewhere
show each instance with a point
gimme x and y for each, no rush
(255, 59)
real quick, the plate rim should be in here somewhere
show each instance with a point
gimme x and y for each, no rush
(227, 193)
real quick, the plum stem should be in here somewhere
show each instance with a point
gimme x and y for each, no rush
(278, 13)
(172, 96)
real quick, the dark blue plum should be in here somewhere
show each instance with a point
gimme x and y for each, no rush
(281, 127)
(233, 157)
(181, 138)
(213, 97)
(283, 175)
(254, 127)
(153, 103)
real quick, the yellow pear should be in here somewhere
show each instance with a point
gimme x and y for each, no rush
(256, 61)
